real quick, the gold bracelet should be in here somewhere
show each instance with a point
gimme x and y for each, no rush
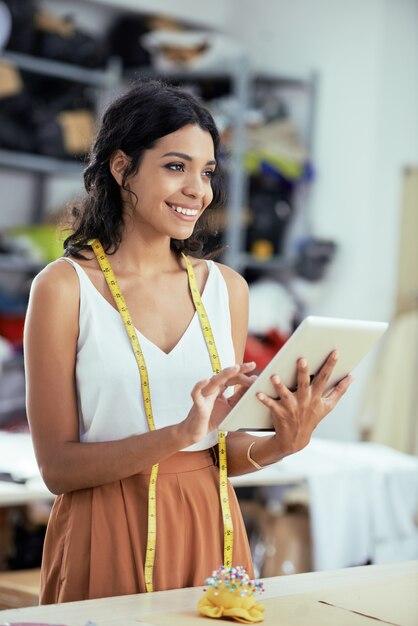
(256, 465)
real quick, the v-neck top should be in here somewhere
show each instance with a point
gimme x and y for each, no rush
(109, 394)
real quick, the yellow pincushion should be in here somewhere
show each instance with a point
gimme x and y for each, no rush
(230, 593)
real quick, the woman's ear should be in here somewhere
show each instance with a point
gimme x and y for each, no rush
(119, 161)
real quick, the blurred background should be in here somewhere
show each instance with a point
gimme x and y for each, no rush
(317, 104)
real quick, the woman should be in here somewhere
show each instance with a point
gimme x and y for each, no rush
(104, 412)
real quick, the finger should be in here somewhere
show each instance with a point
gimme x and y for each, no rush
(220, 381)
(243, 368)
(249, 366)
(240, 382)
(303, 378)
(267, 401)
(251, 379)
(241, 391)
(283, 392)
(229, 376)
(321, 378)
(241, 379)
(339, 390)
(197, 390)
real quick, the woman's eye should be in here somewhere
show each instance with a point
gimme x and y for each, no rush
(176, 167)
(209, 173)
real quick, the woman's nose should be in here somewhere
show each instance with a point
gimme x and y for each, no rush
(194, 187)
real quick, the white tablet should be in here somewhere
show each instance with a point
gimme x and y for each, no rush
(313, 339)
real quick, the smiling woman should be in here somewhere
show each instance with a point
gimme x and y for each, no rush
(183, 186)
(133, 357)
(151, 117)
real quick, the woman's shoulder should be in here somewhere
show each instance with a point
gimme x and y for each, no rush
(233, 279)
(56, 279)
(54, 299)
(237, 285)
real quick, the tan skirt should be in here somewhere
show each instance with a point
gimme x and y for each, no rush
(96, 538)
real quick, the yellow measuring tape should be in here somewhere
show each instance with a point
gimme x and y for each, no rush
(130, 329)
(216, 366)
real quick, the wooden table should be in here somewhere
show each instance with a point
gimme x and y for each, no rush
(171, 606)
(16, 494)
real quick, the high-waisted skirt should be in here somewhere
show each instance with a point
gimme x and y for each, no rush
(96, 538)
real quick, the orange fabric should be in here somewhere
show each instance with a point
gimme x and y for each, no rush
(96, 538)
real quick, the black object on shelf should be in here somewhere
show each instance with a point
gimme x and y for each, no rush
(22, 36)
(44, 34)
(75, 47)
(124, 40)
(270, 200)
(314, 257)
(30, 119)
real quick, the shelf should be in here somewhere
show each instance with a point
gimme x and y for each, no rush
(104, 81)
(282, 79)
(15, 263)
(47, 67)
(226, 72)
(39, 164)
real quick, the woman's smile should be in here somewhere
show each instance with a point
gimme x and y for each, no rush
(188, 213)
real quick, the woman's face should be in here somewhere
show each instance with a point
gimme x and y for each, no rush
(173, 183)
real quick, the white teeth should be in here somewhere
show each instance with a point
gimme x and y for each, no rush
(180, 209)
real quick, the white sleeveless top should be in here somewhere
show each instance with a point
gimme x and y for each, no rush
(109, 394)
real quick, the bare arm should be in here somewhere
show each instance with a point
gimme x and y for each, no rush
(50, 344)
(295, 414)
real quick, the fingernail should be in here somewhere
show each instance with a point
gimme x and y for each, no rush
(261, 396)
(335, 354)
(276, 379)
(303, 362)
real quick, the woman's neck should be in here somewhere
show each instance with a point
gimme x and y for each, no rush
(145, 255)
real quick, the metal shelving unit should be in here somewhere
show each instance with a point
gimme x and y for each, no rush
(282, 266)
(42, 167)
(37, 65)
(39, 164)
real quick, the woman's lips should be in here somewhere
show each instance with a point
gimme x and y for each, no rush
(182, 216)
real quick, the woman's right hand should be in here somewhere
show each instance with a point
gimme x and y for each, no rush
(210, 407)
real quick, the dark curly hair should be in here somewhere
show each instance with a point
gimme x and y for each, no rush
(133, 123)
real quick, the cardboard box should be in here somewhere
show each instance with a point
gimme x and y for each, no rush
(283, 538)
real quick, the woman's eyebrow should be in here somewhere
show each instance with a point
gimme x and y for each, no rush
(186, 157)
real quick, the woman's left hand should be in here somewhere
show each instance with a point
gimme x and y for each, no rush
(296, 414)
